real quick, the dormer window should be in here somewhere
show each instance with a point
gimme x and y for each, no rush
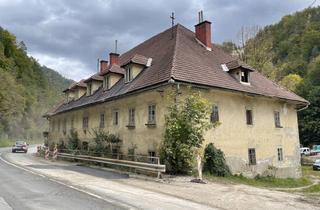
(128, 75)
(244, 76)
(89, 89)
(107, 82)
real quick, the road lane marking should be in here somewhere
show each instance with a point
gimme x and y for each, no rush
(70, 186)
(4, 205)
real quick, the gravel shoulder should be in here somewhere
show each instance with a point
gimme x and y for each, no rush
(177, 193)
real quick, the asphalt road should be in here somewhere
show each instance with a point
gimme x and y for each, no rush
(20, 189)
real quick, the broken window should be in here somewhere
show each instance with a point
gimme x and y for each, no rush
(252, 156)
(244, 76)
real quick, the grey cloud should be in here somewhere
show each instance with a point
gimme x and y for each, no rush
(69, 34)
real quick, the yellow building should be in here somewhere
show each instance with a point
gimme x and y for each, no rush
(128, 98)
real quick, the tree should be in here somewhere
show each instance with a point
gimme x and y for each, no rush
(291, 81)
(185, 124)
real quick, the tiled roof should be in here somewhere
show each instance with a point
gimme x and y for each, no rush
(114, 69)
(76, 84)
(96, 77)
(138, 59)
(180, 57)
(236, 64)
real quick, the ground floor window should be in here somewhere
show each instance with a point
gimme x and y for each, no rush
(252, 156)
(280, 154)
(152, 155)
(85, 145)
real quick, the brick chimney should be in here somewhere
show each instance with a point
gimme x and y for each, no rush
(103, 65)
(203, 31)
(114, 58)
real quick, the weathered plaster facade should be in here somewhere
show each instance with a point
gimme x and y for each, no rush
(233, 136)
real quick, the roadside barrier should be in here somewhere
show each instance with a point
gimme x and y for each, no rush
(124, 163)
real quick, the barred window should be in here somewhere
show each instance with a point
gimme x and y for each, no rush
(252, 156)
(214, 117)
(131, 117)
(249, 117)
(85, 123)
(152, 114)
(277, 119)
(101, 121)
(280, 154)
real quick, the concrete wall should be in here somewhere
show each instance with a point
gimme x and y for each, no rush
(233, 136)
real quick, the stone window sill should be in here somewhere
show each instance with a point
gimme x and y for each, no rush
(131, 126)
(151, 124)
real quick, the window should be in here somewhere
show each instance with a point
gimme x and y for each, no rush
(252, 156)
(85, 145)
(85, 123)
(115, 117)
(128, 76)
(72, 122)
(277, 119)
(101, 121)
(152, 114)
(64, 127)
(214, 117)
(131, 117)
(280, 154)
(152, 157)
(107, 81)
(244, 76)
(89, 89)
(53, 126)
(249, 117)
(58, 125)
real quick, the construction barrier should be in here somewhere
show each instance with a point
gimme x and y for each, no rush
(55, 153)
(47, 153)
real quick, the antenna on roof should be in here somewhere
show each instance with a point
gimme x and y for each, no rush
(172, 23)
(200, 16)
(98, 65)
(115, 46)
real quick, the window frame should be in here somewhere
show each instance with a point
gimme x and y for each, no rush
(85, 122)
(252, 156)
(102, 120)
(152, 113)
(249, 117)
(214, 117)
(246, 75)
(128, 74)
(280, 154)
(131, 117)
(115, 117)
(277, 119)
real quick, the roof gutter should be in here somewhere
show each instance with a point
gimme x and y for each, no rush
(303, 108)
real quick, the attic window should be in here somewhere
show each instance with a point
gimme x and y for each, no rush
(107, 82)
(128, 76)
(244, 76)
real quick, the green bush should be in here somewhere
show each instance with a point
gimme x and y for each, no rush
(74, 141)
(215, 162)
(185, 125)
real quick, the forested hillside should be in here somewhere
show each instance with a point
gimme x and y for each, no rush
(27, 90)
(289, 53)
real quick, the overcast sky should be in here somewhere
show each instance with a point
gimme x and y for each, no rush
(69, 35)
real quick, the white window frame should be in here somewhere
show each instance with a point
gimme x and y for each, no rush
(128, 75)
(152, 110)
(131, 117)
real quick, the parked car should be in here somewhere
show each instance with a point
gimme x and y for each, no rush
(305, 151)
(315, 150)
(20, 146)
(316, 165)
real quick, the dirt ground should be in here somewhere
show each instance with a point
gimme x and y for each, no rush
(176, 193)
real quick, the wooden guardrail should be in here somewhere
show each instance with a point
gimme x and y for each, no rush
(125, 163)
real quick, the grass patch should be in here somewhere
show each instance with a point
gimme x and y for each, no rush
(308, 171)
(312, 189)
(10, 142)
(262, 181)
(6, 142)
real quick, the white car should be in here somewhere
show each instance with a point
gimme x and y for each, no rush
(316, 165)
(305, 151)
